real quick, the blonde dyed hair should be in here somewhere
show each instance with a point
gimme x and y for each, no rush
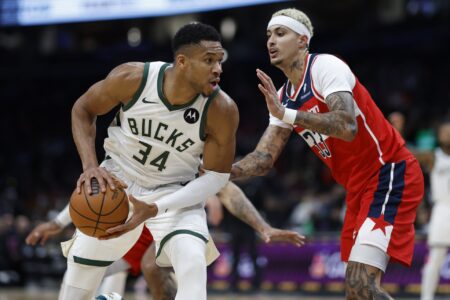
(297, 15)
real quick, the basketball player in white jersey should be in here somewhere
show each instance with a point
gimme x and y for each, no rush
(439, 227)
(171, 116)
(159, 280)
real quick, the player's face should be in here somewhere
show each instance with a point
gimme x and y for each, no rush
(205, 66)
(282, 44)
(444, 135)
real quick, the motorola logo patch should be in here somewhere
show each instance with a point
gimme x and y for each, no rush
(191, 115)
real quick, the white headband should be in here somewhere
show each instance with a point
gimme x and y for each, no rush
(291, 24)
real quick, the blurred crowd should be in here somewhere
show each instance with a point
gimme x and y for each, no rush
(44, 69)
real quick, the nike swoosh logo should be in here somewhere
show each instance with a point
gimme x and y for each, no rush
(145, 101)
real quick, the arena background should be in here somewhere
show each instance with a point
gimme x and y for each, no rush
(397, 48)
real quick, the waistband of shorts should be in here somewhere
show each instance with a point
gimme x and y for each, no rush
(146, 185)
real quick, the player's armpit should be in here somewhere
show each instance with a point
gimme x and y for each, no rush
(221, 125)
(339, 122)
(261, 160)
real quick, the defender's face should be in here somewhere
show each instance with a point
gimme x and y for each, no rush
(205, 66)
(282, 44)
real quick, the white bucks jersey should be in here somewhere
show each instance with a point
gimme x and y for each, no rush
(440, 177)
(154, 142)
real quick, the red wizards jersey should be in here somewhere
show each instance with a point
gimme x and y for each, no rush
(376, 142)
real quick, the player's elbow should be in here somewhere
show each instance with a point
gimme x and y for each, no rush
(78, 109)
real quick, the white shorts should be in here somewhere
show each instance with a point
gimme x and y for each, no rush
(439, 228)
(191, 220)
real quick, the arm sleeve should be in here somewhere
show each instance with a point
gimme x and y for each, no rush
(63, 218)
(196, 191)
(330, 75)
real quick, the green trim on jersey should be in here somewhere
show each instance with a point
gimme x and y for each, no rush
(141, 88)
(205, 112)
(163, 98)
(180, 231)
(117, 119)
(91, 262)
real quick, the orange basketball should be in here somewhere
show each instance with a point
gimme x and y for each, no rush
(93, 214)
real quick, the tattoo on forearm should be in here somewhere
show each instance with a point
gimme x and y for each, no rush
(240, 206)
(261, 160)
(254, 164)
(361, 283)
(340, 122)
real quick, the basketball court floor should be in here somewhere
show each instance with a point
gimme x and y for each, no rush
(15, 294)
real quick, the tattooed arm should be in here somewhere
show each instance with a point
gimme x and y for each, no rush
(261, 160)
(240, 206)
(339, 122)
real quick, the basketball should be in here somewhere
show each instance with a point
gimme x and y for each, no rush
(94, 214)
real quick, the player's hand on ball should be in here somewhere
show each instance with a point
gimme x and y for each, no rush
(141, 212)
(270, 93)
(103, 177)
(42, 233)
(273, 235)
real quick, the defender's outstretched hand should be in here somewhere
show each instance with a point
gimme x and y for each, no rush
(274, 235)
(270, 93)
(42, 233)
(141, 212)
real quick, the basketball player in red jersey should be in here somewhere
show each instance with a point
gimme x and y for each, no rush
(330, 109)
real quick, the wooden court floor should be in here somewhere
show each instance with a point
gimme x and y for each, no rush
(17, 294)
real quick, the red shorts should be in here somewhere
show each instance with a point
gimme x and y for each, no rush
(383, 213)
(134, 255)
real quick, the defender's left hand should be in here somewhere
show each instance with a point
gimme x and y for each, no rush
(141, 212)
(273, 235)
(270, 93)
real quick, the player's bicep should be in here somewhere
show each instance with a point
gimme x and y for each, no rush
(96, 100)
(220, 143)
(341, 101)
(218, 156)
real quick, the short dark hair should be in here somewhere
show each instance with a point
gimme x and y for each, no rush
(194, 33)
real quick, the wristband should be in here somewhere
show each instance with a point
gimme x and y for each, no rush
(63, 218)
(289, 116)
